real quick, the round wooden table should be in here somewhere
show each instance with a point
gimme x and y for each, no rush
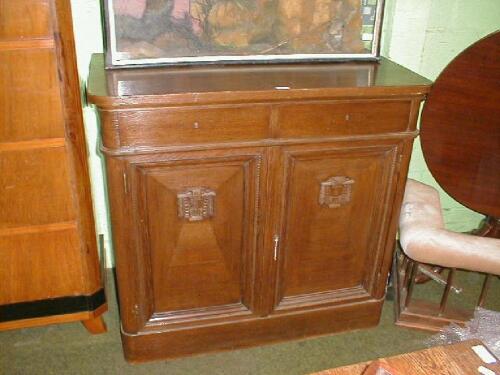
(460, 130)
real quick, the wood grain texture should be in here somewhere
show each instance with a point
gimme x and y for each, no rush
(455, 359)
(246, 332)
(30, 106)
(271, 262)
(342, 118)
(25, 19)
(219, 84)
(29, 271)
(47, 233)
(200, 264)
(332, 249)
(461, 127)
(39, 182)
(76, 143)
(188, 126)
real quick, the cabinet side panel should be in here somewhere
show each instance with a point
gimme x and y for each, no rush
(69, 89)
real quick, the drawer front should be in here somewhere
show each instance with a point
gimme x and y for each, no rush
(193, 126)
(343, 119)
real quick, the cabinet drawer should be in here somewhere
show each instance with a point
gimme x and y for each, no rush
(192, 126)
(342, 119)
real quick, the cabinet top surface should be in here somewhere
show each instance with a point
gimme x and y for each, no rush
(246, 83)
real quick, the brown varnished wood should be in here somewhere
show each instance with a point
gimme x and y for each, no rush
(269, 263)
(25, 19)
(209, 268)
(32, 109)
(247, 332)
(95, 325)
(454, 359)
(339, 118)
(181, 126)
(418, 313)
(461, 127)
(218, 84)
(76, 143)
(29, 272)
(16, 44)
(41, 167)
(47, 233)
(320, 255)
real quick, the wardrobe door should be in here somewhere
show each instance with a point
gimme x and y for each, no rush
(335, 205)
(197, 218)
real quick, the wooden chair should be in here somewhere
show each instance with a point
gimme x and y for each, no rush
(460, 137)
(425, 243)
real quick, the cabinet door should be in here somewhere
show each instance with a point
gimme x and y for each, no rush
(197, 217)
(334, 220)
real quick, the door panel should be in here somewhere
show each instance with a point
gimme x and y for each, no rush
(38, 181)
(30, 103)
(200, 218)
(28, 271)
(335, 203)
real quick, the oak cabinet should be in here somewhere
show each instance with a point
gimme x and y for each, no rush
(244, 214)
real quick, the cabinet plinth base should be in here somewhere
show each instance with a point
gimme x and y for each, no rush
(170, 344)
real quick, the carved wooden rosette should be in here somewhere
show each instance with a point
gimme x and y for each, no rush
(336, 191)
(196, 203)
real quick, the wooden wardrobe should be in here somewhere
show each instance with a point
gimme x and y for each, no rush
(49, 264)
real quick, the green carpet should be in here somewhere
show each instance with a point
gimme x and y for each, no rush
(69, 349)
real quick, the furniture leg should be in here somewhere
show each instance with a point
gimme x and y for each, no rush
(411, 282)
(447, 289)
(95, 325)
(484, 290)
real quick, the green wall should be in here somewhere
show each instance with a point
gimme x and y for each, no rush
(425, 36)
(422, 35)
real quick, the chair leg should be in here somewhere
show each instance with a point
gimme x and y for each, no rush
(484, 290)
(446, 293)
(410, 281)
(407, 267)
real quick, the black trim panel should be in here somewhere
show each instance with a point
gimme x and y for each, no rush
(49, 307)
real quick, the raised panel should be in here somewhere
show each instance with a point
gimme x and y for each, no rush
(335, 202)
(29, 272)
(35, 186)
(30, 105)
(24, 19)
(200, 260)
